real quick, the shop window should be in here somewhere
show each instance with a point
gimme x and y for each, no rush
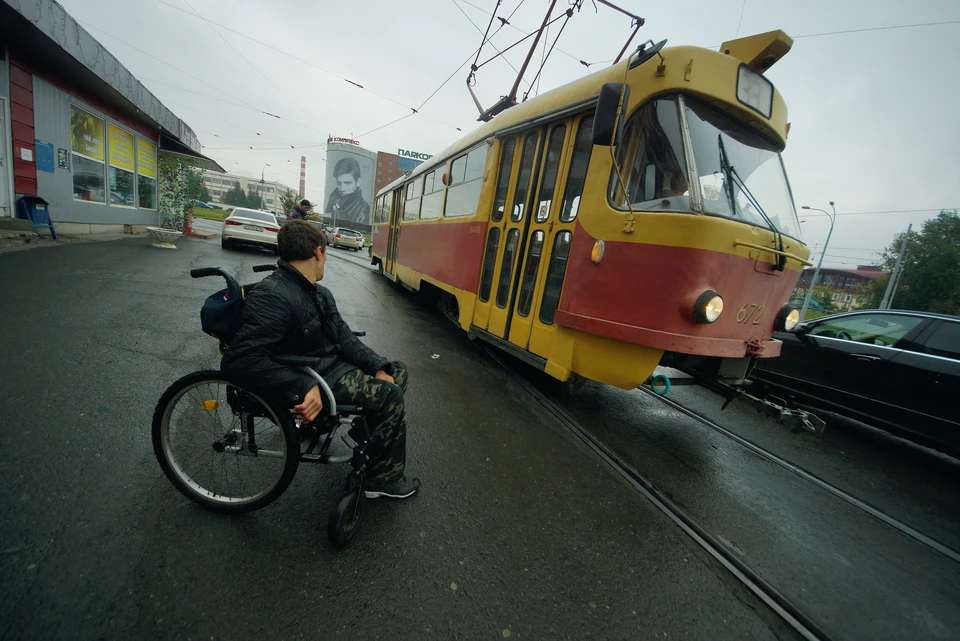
(147, 175)
(86, 134)
(122, 190)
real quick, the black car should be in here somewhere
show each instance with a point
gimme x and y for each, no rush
(896, 370)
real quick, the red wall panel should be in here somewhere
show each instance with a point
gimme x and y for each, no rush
(21, 112)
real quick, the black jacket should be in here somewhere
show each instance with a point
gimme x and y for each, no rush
(287, 314)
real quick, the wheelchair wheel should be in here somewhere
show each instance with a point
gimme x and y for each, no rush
(221, 446)
(346, 518)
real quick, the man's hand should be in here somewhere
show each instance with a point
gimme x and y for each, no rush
(383, 376)
(311, 405)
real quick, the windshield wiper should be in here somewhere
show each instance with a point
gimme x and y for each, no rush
(731, 175)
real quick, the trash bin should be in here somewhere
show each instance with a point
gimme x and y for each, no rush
(34, 209)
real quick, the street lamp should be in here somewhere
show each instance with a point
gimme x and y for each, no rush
(262, 198)
(816, 272)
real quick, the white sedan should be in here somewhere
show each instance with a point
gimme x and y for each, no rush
(250, 227)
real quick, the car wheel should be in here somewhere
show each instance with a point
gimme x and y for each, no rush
(224, 244)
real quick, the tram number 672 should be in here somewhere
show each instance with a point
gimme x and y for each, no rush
(751, 311)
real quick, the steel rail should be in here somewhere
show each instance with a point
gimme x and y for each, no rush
(770, 596)
(933, 544)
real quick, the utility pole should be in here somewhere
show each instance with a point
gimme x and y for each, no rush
(816, 272)
(895, 276)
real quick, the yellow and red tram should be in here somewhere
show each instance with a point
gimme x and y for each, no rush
(676, 241)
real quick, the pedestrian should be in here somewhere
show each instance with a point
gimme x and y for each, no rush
(289, 312)
(299, 211)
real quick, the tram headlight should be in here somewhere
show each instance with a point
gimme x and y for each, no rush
(708, 307)
(787, 318)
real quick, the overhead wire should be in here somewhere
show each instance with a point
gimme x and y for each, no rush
(487, 41)
(466, 2)
(311, 64)
(272, 83)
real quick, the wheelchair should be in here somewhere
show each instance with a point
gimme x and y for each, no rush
(226, 448)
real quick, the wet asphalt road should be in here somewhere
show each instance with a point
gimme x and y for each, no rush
(519, 531)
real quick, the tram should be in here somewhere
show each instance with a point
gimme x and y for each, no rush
(639, 216)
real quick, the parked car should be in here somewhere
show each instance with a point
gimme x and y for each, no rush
(250, 227)
(343, 237)
(896, 370)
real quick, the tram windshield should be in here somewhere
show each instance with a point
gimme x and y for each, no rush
(749, 157)
(653, 164)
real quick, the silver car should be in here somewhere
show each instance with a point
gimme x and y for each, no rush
(250, 227)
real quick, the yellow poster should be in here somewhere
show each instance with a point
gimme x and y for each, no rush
(121, 148)
(146, 159)
(86, 133)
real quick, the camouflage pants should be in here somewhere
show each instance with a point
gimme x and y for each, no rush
(384, 409)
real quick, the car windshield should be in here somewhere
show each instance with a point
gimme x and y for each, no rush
(348, 231)
(255, 215)
(875, 329)
(754, 159)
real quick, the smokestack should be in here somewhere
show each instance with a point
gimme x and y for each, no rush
(303, 175)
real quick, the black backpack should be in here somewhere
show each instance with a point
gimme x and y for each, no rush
(222, 314)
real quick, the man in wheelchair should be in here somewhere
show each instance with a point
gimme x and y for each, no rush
(288, 312)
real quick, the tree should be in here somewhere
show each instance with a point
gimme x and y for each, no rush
(822, 303)
(235, 196)
(204, 194)
(289, 200)
(930, 281)
(253, 199)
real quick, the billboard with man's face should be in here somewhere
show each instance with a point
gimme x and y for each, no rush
(349, 182)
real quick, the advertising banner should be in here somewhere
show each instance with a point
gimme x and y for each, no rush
(121, 148)
(146, 159)
(349, 183)
(86, 133)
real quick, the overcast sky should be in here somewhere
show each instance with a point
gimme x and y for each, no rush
(873, 113)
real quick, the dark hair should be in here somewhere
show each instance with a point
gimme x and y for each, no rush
(347, 166)
(297, 240)
(305, 202)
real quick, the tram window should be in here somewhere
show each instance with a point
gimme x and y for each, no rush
(489, 262)
(578, 170)
(506, 267)
(432, 195)
(466, 179)
(555, 274)
(523, 180)
(530, 274)
(503, 179)
(411, 209)
(651, 160)
(387, 206)
(552, 164)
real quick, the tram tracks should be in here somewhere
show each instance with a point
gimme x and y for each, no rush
(824, 485)
(712, 545)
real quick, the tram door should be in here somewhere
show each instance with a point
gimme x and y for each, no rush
(538, 192)
(512, 206)
(395, 202)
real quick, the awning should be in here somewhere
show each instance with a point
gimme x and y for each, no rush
(170, 145)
